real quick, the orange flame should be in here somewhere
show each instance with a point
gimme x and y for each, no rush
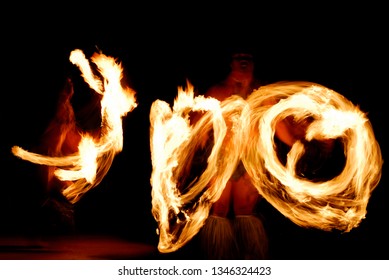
(86, 168)
(338, 203)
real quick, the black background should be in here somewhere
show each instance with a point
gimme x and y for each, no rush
(160, 47)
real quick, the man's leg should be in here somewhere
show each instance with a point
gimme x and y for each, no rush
(216, 236)
(249, 231)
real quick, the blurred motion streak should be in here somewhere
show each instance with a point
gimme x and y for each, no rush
(85, 168)
(336, 203)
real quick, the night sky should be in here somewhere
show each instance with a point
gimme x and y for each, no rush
(159, 52)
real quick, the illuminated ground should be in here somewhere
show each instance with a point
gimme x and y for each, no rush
(73, 248)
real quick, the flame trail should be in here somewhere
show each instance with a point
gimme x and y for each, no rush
(86, 168)
(336, 203)
(173, 141)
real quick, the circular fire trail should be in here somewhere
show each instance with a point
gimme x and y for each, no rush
(337, 133)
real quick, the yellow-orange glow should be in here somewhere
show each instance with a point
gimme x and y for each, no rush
(338, 203)
(86, 168)
(173, 141)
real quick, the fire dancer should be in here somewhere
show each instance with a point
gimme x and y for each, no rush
(61, 138)
(290, 144)
(233, 229)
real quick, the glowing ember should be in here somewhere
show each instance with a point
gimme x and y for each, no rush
(338, 202)
(85, 168)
